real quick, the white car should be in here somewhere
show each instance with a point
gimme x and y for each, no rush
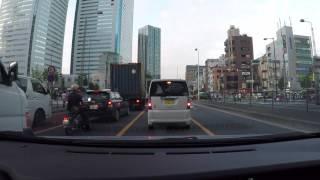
(168, 102)
(39, 100)
(14, 115)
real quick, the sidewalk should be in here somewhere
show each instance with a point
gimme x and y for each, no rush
(309, 121)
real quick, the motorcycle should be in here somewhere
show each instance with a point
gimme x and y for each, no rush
(72, 122)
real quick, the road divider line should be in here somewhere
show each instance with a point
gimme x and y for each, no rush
(204, 129)
(253, 119)
(130, 124)
(46, 130)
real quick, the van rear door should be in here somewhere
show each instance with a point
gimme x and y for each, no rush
(169, 95)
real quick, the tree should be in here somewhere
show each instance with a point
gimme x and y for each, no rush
(82, 80)
(281, 84)
(93, 86)
(45, 75)
(306, 81)
(37, 74)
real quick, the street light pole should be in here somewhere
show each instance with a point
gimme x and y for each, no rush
(198, 84)
(316, 80)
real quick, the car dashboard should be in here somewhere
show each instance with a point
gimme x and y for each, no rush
(296, 159)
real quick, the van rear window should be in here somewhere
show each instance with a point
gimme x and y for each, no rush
(169, 88)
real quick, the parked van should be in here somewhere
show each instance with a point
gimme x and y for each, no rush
(39, 100)
(14, 115)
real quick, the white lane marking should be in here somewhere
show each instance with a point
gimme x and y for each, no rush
(48, 129)
(254, 119)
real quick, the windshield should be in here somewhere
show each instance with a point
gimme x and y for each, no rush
(153, 69)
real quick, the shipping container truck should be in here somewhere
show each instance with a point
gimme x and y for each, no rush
(129, 81)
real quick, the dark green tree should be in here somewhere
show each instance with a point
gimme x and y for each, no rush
(37, 74)
(281, 84)
(306, 81)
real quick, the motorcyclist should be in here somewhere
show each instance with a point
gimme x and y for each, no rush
(74, 105)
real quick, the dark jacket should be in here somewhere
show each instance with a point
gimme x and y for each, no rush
(74, 101)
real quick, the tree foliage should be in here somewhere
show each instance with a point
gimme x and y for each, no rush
(281, 84)
(93, 86)
(306, 81)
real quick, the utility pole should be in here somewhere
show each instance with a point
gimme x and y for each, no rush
(198, 84)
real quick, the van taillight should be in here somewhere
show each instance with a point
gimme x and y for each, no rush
(149, 105)
(189, 105)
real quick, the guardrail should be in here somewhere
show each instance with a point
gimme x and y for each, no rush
(307, 104)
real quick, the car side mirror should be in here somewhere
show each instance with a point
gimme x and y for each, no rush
(13, 71)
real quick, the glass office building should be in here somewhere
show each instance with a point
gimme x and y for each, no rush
(32, 33)
(149, 51)
(101, 26)
(303, 55)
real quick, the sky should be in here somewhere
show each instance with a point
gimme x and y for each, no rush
(203, 24)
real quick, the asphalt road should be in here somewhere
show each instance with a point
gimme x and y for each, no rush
(206, 121)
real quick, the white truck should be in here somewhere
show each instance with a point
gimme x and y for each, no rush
(14, 113)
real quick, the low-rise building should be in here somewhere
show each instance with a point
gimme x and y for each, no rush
(192, 77)
(210, 64)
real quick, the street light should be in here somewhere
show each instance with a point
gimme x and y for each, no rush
(275, 63)
(314, 54)
(197, 50)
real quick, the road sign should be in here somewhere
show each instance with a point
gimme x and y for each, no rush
(245, 73)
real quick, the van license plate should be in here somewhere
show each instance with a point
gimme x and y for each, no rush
(168, 102)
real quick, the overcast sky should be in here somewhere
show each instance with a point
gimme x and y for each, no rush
(187, 24)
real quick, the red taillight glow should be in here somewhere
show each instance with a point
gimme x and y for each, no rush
(65, 120)
(149, 105)
(189, 105)
(137, 101)
(109, 103)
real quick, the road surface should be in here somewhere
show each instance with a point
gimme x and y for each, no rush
(206, 121)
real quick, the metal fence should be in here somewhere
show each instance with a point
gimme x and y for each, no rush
(305, 100)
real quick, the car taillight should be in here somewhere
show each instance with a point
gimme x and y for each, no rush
(149, 105)
(138, 101)
(28, 120)
(109, 103)
(188, 105)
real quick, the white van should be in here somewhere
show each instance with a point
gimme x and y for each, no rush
(39, 100)
(168, 102)
(14, 114)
